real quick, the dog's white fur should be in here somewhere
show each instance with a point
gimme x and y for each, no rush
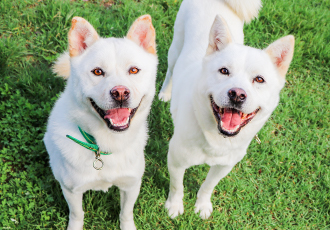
(71, 163)
(203, 43)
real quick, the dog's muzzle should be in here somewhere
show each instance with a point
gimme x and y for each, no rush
(231, 120)
(117, 119)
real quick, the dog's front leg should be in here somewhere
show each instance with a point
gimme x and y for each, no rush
(203, 202)
(174, 203)
(128, 197)
(76, 216)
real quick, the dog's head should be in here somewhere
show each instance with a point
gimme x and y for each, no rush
(113, 78)
(243, 83)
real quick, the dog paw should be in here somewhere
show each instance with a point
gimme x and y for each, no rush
(204, 209)
(75, 225)
(174, 208)
(164, 96)
(127, 225)
(76, 221)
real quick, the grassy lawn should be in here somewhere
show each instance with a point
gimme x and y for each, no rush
(283, 183)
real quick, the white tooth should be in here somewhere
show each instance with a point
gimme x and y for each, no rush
(121, 124)
(235, 129)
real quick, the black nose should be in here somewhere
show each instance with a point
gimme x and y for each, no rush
(120, 93)
(237, 95)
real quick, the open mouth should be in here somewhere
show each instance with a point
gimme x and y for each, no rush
(117, 119)
(230, 120)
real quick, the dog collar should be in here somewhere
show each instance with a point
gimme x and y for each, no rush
(91, 145)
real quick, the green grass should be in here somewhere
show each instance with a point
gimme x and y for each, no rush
(283, 183)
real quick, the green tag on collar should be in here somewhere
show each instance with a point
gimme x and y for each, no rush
(91, 143)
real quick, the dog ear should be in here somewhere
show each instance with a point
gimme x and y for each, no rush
(81, 35)
(281, 53)
(220, 35)
(143, 33)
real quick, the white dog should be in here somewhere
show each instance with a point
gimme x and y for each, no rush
(222, 92)
(108, 97)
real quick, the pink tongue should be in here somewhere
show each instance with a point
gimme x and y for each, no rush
(117, 116)
(230, 119)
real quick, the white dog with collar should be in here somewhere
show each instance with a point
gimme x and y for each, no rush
(108, 95)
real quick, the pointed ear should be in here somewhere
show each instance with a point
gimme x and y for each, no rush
(81, 35)
(281, 52)
(220, 35)
(143, 33)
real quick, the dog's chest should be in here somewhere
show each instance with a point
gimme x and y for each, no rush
(228, 158)
(95, 185)
(119, 172)
(222, 156)
(103, 183)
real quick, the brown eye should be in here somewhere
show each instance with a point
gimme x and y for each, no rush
(259, 79)
(224, 71)
(133, 70)
(98, 72)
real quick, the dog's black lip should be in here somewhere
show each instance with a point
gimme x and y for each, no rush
(216, 112)
(102, 113)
